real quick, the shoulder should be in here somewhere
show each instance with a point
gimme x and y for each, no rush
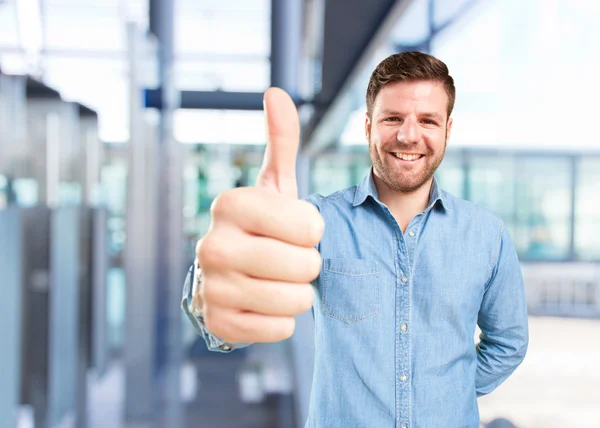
(476, 216)
(344, 197)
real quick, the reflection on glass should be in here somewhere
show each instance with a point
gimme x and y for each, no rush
(587, 209)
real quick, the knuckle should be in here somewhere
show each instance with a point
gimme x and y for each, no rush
(212, 251)
(223, 204)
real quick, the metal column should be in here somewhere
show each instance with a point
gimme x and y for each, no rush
(170, 262)
(139, 348)
(286, 43)
(11, 267)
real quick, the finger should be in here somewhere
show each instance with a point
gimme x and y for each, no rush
(268, 258)
(266, 213)
(258, 257)
(278, 171)
(234, 326)
(260, 296)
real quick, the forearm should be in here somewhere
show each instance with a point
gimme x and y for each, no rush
(502, 320)
(497, 359)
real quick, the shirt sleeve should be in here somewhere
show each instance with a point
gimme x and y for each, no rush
(502, 319)
(194, 314)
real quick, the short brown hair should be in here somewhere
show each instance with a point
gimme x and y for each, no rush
(410, 66)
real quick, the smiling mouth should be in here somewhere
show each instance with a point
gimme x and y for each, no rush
(407, 157)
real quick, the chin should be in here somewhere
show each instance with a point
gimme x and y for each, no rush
(408, 184)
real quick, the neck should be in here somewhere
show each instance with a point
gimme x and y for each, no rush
(404, 205)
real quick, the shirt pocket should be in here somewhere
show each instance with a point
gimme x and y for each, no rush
(350, 289)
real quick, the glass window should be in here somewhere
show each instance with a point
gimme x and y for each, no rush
(491, 184)
(328, 175)
(543, 208)
(451, 174)
(587, 208)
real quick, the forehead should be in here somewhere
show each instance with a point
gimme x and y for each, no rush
(421, 94)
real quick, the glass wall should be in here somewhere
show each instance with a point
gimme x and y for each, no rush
(543, 208)
(453, 174)
(491, 183)
(332, 173)
(587, 209)
(549, 203)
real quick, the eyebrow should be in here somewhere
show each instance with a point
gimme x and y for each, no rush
(426, 114)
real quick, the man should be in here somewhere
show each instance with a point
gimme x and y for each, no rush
(401, 271)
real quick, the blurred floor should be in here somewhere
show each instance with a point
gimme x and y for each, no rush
(217, 403)
(556, 386)
(558, 383)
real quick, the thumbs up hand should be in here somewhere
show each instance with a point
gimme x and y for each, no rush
(258, 257)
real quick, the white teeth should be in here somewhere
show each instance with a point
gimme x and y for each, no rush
(406, 157)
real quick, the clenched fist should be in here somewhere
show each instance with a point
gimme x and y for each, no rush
(258, 257)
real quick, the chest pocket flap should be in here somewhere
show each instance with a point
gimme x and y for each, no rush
(350, 289)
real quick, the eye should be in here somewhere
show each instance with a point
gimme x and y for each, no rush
(429, 122)
(391, 119)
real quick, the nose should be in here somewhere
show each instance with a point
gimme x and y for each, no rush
(409, 132)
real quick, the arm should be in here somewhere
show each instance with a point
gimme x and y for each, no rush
(192, 306)
(502, 320)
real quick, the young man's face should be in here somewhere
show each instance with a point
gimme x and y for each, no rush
(407, 133)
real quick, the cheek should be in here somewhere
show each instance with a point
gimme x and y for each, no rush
(435, 141)
(384, 134)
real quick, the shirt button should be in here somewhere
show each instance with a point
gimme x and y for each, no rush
(403, 377)
(225, 347)
(403, 327)
(404, 279)
(412, 233)
(404, 426)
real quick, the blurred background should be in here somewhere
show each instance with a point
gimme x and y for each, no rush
(120, 121)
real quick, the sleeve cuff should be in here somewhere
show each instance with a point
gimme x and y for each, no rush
(194, 314)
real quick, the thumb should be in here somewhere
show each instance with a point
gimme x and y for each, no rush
(278, 171)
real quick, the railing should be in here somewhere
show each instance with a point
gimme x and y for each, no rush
(563, 289)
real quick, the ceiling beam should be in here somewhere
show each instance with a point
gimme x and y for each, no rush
(353, 30)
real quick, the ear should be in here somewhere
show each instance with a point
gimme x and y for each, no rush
(448, 129)
(367, 127)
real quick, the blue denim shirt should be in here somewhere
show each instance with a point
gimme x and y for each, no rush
(395, 314)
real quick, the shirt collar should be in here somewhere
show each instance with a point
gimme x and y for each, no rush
(367, 188)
